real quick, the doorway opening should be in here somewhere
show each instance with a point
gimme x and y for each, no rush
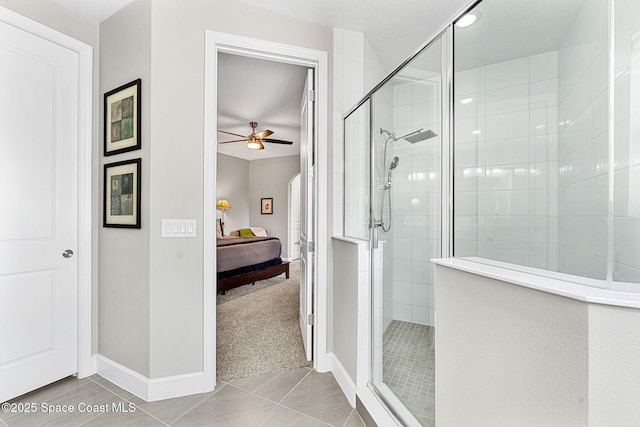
(259, 153)
(218, 43)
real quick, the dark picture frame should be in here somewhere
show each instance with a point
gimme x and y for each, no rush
(122, 118)
(266, 206)
(122, 194)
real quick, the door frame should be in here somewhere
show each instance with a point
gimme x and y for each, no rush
(86, 361)
(310, 58)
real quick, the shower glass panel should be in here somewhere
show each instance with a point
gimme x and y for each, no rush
(626, 165)
(405, 205)
(356, 179)
(531, 137)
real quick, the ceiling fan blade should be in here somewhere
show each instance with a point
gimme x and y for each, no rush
(235, 140)
(276, 141)
(265, 133)
(231, 133)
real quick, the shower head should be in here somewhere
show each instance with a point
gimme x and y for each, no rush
(394, 163)
(419, 135)
(390, 135)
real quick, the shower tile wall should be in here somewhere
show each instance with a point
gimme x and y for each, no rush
(356, 68)
(415, 201)
(626, 220)
(506, 133)
(583, 143)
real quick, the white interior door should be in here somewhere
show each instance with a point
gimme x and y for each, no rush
(306, 215)
(38, 226)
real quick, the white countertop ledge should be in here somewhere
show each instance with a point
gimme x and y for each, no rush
(563, 288)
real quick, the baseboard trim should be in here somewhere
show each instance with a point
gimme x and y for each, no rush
(150, 390)
(343, 378)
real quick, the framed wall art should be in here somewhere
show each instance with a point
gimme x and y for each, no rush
(122, 116)
(122, 194)
(266, 206)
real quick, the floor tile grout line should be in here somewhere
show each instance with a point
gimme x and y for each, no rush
(126, 400)
(200, 403)
(302, 413)
(296, 385)
(282, 405)
(113, 392)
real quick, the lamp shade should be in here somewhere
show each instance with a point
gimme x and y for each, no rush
(223, 204)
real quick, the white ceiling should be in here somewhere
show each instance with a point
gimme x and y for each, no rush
(262, 91)
(394, 28)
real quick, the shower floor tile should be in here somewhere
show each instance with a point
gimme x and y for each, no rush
(409, 367)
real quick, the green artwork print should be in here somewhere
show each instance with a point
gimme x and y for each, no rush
(122, 194)
(122, 119)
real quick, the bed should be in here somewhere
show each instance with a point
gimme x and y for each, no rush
(244, 260)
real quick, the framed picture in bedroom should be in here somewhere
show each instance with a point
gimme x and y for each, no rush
(266, 206)
(122, 116)
(122, 194)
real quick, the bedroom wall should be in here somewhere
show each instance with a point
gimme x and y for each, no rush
(233, 185)
(55, 16)
(176, 163)
(270, 178)
(124, 295)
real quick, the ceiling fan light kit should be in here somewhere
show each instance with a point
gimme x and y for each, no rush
(255, 140)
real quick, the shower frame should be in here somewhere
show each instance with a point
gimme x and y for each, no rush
(445, 36)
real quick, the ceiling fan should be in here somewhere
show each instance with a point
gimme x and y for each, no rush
(254, 140)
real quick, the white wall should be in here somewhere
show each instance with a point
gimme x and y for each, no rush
(508, 355)
(233, 184)
(270, 178)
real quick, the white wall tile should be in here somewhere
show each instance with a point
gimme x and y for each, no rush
(402, 312)
(507, 99)
(508, 73)
(544, 66)
(508, 125)
(469, 81)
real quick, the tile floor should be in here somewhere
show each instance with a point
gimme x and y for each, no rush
(408, 367)
(298, 397)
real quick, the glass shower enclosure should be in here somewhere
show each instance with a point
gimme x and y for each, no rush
(398, 130)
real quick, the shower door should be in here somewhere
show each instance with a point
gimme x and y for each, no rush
(405, 229)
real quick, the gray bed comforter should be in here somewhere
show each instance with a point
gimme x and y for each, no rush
(244, 251)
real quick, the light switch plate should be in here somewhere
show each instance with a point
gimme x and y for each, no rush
(178, 228)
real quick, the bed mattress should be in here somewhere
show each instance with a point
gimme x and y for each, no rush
(242, 254)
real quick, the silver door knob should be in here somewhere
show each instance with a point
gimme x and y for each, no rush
(68, 253)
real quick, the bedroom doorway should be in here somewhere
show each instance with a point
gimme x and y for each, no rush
(316, 61)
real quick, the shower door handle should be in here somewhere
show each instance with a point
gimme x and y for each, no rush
(374, 233)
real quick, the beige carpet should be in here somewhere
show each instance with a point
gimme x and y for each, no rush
(258, 330)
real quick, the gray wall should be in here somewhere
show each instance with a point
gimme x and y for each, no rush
(270, 178)
(55, 16)
(233, 185)
(124, 313)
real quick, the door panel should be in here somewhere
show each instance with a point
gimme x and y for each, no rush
(38, 169)
(306, 217)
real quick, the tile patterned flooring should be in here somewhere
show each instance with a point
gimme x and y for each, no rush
(408, 367)
(298, 397)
